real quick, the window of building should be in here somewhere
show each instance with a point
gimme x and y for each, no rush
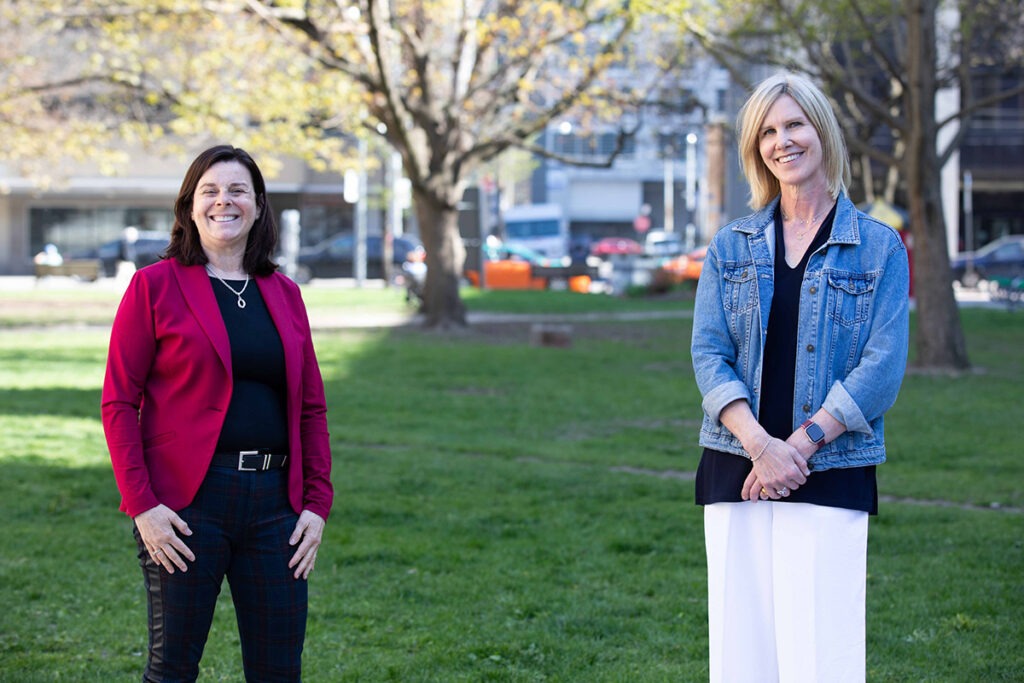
(593, 146)
(81, 230)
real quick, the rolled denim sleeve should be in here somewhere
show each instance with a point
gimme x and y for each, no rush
(712, 348)
(871, 387)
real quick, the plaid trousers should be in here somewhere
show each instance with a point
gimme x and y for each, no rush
(240, 522)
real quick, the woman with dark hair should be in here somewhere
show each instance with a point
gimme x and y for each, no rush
(214, 413)
(799, 347)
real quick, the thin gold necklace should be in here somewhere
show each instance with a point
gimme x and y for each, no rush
(807, 222)
(241, 301)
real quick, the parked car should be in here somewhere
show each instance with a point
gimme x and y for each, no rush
(661, 243)
(541, 267)
(610, 246)
(1001, 258)
(146, 249)
(509, 250)
(685, 266)
(334, 257)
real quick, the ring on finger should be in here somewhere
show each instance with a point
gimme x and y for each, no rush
(783, 491)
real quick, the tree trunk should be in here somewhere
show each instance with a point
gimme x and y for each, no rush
(939, 339)
(446, 255)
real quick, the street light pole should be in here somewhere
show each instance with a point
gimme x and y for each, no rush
(396, 203)
(360, 250)
(691, 187)
(968, 201)
(670, 199)
(354, 192)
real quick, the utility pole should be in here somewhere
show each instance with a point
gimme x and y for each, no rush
(670, 192)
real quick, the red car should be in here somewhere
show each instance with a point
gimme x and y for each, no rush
(616, 245)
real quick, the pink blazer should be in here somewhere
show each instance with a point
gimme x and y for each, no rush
(168, 385)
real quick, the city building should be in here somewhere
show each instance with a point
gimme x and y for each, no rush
(676, 173)
(688, 163)
(82, 209)
(990, 177)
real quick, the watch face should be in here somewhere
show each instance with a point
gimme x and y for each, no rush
(815, 432)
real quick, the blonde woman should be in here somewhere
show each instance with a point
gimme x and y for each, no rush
(799, 347)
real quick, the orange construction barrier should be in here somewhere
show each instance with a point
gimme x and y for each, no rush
(580, 283)
(511, 275)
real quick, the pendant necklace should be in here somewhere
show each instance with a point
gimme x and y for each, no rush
(800, 235)
(241, 301)
(808, 222)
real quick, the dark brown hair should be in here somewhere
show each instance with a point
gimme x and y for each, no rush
(262, 241)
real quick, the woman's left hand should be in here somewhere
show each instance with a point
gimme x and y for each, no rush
(778, 471)
(754, 490)
(309, 530)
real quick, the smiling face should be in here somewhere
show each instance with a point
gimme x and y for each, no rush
(224, 207)
(789, 145)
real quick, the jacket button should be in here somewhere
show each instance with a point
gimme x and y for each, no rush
(810, 347)
(807, 408)
(813, 290)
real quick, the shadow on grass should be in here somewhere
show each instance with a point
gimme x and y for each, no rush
(478, 531)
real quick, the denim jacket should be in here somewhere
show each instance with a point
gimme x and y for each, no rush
(852, 334)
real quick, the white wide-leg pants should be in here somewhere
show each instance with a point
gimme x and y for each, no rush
(786, 592)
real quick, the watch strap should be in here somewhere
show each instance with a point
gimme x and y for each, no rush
(814, 432)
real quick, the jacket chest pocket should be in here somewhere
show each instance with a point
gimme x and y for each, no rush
(739, 293)
(850, 296)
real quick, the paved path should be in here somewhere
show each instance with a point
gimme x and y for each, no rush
(362, 319)
(369, 319)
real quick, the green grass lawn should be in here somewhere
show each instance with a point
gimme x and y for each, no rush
(510, 513)
(55, 303)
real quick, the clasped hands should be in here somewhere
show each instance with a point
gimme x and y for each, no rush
(162, 530)
(780, 469)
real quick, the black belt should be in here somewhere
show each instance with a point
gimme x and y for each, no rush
(250, 461)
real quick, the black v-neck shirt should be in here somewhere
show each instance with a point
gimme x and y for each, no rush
(720, 475)
(256, 416)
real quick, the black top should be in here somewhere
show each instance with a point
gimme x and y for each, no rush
(256, 416)
(720, 475)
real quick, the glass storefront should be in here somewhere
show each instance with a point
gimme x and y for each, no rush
(79, 231)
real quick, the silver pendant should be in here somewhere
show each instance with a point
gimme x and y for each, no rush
(241, 302)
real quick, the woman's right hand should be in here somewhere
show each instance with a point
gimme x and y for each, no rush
(779, 470)
(159, 528)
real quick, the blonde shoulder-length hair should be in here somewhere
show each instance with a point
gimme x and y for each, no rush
(763, 185)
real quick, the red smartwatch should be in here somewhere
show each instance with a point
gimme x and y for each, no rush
(814, 432)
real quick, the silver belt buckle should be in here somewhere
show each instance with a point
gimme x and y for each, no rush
(241, 461)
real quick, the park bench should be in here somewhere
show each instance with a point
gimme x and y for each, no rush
(80, 269)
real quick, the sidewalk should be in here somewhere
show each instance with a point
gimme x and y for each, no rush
(369, 319)
(341, 319)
